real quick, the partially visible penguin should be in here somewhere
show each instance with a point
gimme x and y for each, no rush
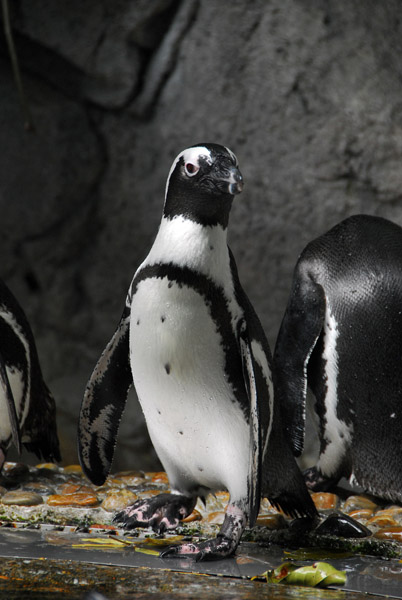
(341, 335)
(192, 344)
(27, 409)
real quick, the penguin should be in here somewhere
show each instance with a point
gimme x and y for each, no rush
(341, 336)
(192, 344)
(27, 408)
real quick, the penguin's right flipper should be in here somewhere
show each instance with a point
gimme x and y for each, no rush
(300, 329)
(103, 404)
(12, 413)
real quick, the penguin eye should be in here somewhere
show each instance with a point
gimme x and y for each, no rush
(191, 169)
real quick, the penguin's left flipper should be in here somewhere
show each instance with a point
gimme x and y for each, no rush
(103, 404)
(12, 413)
(300, 329)
(223, 546)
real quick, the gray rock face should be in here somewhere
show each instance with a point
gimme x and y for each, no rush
(308, 95)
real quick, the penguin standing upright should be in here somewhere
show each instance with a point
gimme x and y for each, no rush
(200, 364)
(342, 336)
(27, 409)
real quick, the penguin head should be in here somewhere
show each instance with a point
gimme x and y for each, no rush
(202, 183)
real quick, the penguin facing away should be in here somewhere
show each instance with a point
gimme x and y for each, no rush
(342, 336)
(27, 408)
(192, 344)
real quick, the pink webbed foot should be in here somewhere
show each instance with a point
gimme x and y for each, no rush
(223, 546)
(161, 512)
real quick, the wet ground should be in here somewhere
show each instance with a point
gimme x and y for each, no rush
(57, 540)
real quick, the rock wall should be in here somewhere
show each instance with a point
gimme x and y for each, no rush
(307, 93)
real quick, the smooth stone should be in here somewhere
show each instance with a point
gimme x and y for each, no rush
(130, 478)
(14, 471)
(358, 502)
(73, 470)
(39, 488)
(21, 498)
(273, 521)
(390, 533)
(382, 521)
(73, 488)
(160, 478)
(342, 526)
(118, 500)
(325, 500)
(361, 513)
(79, 499)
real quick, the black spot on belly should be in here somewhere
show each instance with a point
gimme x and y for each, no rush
(163, 319)
(159, 412)
(138, 321)
(167, 368)
(200, 469)
(181, 433)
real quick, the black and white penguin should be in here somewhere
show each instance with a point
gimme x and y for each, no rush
(200, 364)
(341, 335)
(27, 409)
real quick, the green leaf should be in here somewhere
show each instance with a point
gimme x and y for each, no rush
(318, 574)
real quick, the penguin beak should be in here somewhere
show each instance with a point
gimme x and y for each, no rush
(229, 180)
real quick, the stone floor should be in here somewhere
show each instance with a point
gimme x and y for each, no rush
(53, 521)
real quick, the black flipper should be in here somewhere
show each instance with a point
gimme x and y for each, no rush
(103, 404)
(12, 413)
(249, 373)
(298, 334)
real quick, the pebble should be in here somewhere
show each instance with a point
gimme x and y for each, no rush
(390, 533)
(131, 478)
(81, 499)
(73, 488)
(160, 478)
(382, 521)
(14, 471)
(118, 500)
(273, 521)
(354, 502)
(22, 498)
(325, 500)
(73, 470)
(361, 513)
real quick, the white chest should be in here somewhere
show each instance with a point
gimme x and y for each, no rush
(178, 364)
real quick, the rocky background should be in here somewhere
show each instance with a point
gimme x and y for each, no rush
(307, 93)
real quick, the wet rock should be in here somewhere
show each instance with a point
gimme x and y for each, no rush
(79, 499)
(160, 477)
(131, 478)
(390, 533)
(272, 521)
(325, 500)
(382, 521)
(22, 498)
(73, 470)
(361, 513)
(118, 500)
(149, 493)
(14, 472)
(39, 488)
(354, 502)
(73, 488)
(342, 525)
